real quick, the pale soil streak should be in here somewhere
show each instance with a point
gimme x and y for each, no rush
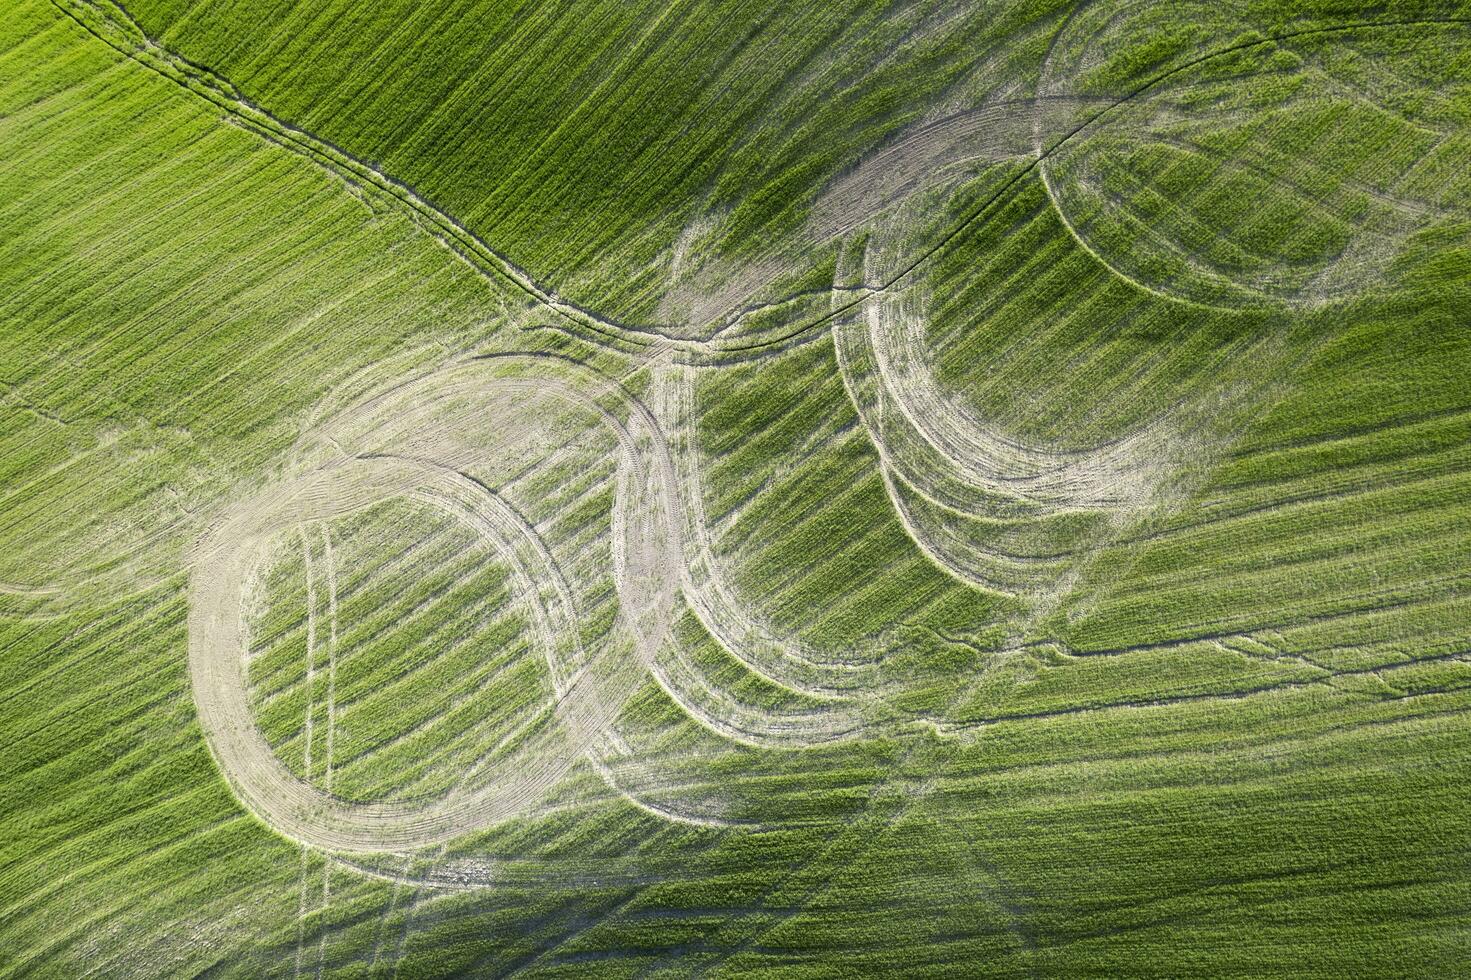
(962, 558)
(111, 24)
(645, 612)
(550, 620)
(885, 813)
(951, 460)
(330, 577)
(398, 882)
(781, 664)
(844, 686)
(310, 687)
(470, 874)
(974, 458)
(762, 727)
(643, 554)
(467, 874)
(129, 554)
(619, 767)
(714, 291)
(310, 683)
(925, 156)
(889, 338)
(932, 153)
(936, 152)
(1120, 484)
(330, 562)
(1371, 248)
(27, 591)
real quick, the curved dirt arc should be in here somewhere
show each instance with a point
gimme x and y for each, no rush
(928, 444)
(216, 647)
(992, 511)
(1214, 262)
(590, 690)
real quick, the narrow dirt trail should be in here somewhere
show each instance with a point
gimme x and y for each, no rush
(964, 493)
(951, 456)
(329, 577)
(711, 597)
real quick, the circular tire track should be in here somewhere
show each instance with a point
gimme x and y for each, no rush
(590, 689)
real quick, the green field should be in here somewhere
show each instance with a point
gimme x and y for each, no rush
(630, 489)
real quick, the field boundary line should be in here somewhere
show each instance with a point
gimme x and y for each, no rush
(110, 23)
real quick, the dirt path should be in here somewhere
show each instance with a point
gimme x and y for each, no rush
(950, 455)
(711, 597)
(933, 152)
(961, 490)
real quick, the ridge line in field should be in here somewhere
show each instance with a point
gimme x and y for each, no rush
(119, 31)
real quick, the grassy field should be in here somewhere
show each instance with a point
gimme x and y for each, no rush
(630, 489)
